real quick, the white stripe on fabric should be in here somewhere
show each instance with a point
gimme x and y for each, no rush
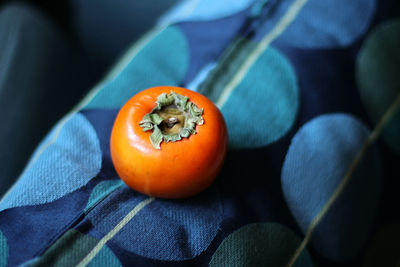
(90, 256)
(279, 28)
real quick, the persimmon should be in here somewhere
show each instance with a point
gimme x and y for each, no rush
(168, 142)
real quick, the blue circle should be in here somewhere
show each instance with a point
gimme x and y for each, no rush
(194, 10)
(316, 162)
(320, 24)
(65, 161)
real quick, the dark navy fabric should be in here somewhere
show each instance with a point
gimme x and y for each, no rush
(304, 87)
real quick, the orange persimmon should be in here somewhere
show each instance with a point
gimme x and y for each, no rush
(168, 142)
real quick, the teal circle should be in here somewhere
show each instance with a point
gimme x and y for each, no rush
(260, 244)
(3, 250)
(162, 61)
(100, 191)
(377, 74)
(263, 107)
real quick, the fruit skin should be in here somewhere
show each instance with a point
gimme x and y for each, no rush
(179, 169)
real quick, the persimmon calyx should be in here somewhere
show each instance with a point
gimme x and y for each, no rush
(173, 118)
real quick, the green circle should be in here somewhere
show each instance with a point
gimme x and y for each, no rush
(72, 248)
(260, 244)
(384, 248)
(377, 74)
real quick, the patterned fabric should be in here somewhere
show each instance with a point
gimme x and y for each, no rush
(38, 67)
(305, 86)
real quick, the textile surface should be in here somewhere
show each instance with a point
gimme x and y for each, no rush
(38, 67)
(303, 85)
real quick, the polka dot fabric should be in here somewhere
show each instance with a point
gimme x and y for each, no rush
(317, 160)
(308, 90)
(259, 117)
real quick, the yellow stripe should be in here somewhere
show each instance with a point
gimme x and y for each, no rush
(89, 257)
(339, 190)
(279, 28)
(130, 54)
(122, 63)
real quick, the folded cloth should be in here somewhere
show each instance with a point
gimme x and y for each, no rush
(306, 88)
(42, 76)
